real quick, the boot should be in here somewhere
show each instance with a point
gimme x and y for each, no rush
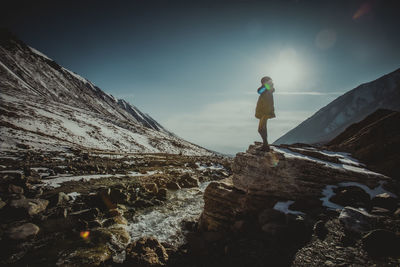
(265, 147)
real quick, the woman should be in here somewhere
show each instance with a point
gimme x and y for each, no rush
(265, 108)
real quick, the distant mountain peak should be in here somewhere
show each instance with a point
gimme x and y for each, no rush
(347, 109)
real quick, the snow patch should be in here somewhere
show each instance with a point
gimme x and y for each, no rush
(39, 53)
(290, 154)
(283, 206)
(327, 192)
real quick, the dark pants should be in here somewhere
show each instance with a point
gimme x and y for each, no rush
(262, 129)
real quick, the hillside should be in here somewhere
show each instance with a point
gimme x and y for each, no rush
(374, 140)
(352, 107)
(45, 106)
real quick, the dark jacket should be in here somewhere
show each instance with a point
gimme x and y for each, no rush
(265, 105)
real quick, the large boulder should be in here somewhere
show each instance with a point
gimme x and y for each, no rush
(187, 181)
(261, 180)
(222, 205)
(23, 231)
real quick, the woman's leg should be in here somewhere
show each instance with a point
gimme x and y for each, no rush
(262, 130)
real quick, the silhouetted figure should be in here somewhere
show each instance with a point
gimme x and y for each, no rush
(265, 108)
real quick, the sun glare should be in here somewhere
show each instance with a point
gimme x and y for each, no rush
(287, 70)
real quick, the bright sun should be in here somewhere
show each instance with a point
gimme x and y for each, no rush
(287, 70)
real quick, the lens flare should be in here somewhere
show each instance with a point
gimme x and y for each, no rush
(85, 234)
(364, 9)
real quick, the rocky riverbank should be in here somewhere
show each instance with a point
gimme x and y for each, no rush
(83, 207)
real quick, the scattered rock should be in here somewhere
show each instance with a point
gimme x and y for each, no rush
(146, 251)
(59, 199)
(187, 181)
(382, 242)
(23, 231)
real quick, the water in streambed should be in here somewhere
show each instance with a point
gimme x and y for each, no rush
(164, 222)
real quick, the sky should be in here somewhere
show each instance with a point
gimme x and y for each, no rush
(194, 66)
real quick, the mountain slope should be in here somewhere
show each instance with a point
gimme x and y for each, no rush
(45, 106)
(374, 140)
(347, 109)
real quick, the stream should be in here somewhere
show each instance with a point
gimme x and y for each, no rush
(164, 222)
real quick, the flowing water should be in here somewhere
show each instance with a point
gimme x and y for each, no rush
(164, 222)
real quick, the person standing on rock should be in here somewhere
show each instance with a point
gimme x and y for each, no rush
(265, 108)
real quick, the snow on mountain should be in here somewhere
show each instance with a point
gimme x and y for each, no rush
(347, 109)
(45, 106)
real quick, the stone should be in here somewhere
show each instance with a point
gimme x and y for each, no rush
(382, 242)
(385, 201)
(355, 220)
(288, 176)
(59, 199)
(320, 229)
(187, 181)
(30, 206)
(173, 186)
(146, 252)
(151, 187)
(86, 214)
(14, 189)
(23, 231)
(222, 205)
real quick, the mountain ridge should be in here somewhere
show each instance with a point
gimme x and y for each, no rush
(351, 107)
(46, 99)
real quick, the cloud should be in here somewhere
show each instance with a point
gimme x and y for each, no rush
(309, 93)
(230, 126)
(301, 93)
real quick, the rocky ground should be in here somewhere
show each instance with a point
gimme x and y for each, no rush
(297, 206)
(76, 208)
(293, 206)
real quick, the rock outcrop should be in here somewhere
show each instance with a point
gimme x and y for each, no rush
(283, 207)
(284, 179)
